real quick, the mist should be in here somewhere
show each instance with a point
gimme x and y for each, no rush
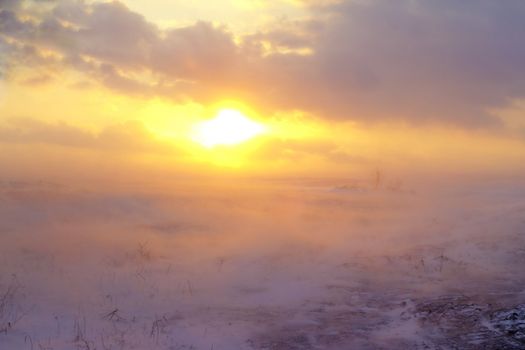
(310, 263)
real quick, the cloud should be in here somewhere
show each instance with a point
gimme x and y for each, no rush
(107, 31)
(9, 4)
(113, 45)
(200, 51)
(420, 61)
(276, 150)
(131, 136)
(38, 80)
(424, 59)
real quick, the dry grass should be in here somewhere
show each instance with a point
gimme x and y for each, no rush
(11, 311)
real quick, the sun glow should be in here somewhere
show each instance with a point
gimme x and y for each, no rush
(229, 127)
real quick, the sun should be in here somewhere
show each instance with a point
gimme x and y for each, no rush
(229, 127)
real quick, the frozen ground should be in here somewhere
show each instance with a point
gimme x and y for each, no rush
(268, 265)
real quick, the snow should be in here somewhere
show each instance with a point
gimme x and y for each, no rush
(260, 266)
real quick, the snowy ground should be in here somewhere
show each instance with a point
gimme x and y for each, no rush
(266, 265)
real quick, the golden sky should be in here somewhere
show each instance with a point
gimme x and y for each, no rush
(338, 87)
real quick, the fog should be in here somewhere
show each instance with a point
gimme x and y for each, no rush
(263, 264)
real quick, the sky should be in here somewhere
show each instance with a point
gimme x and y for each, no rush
(247, 174)
(94, 89)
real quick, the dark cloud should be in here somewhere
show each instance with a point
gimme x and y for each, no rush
(9, 4)
(283, 35)
(113, 45)
(424, 59)
(420, 61)
(109, 32)
(201, 51)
